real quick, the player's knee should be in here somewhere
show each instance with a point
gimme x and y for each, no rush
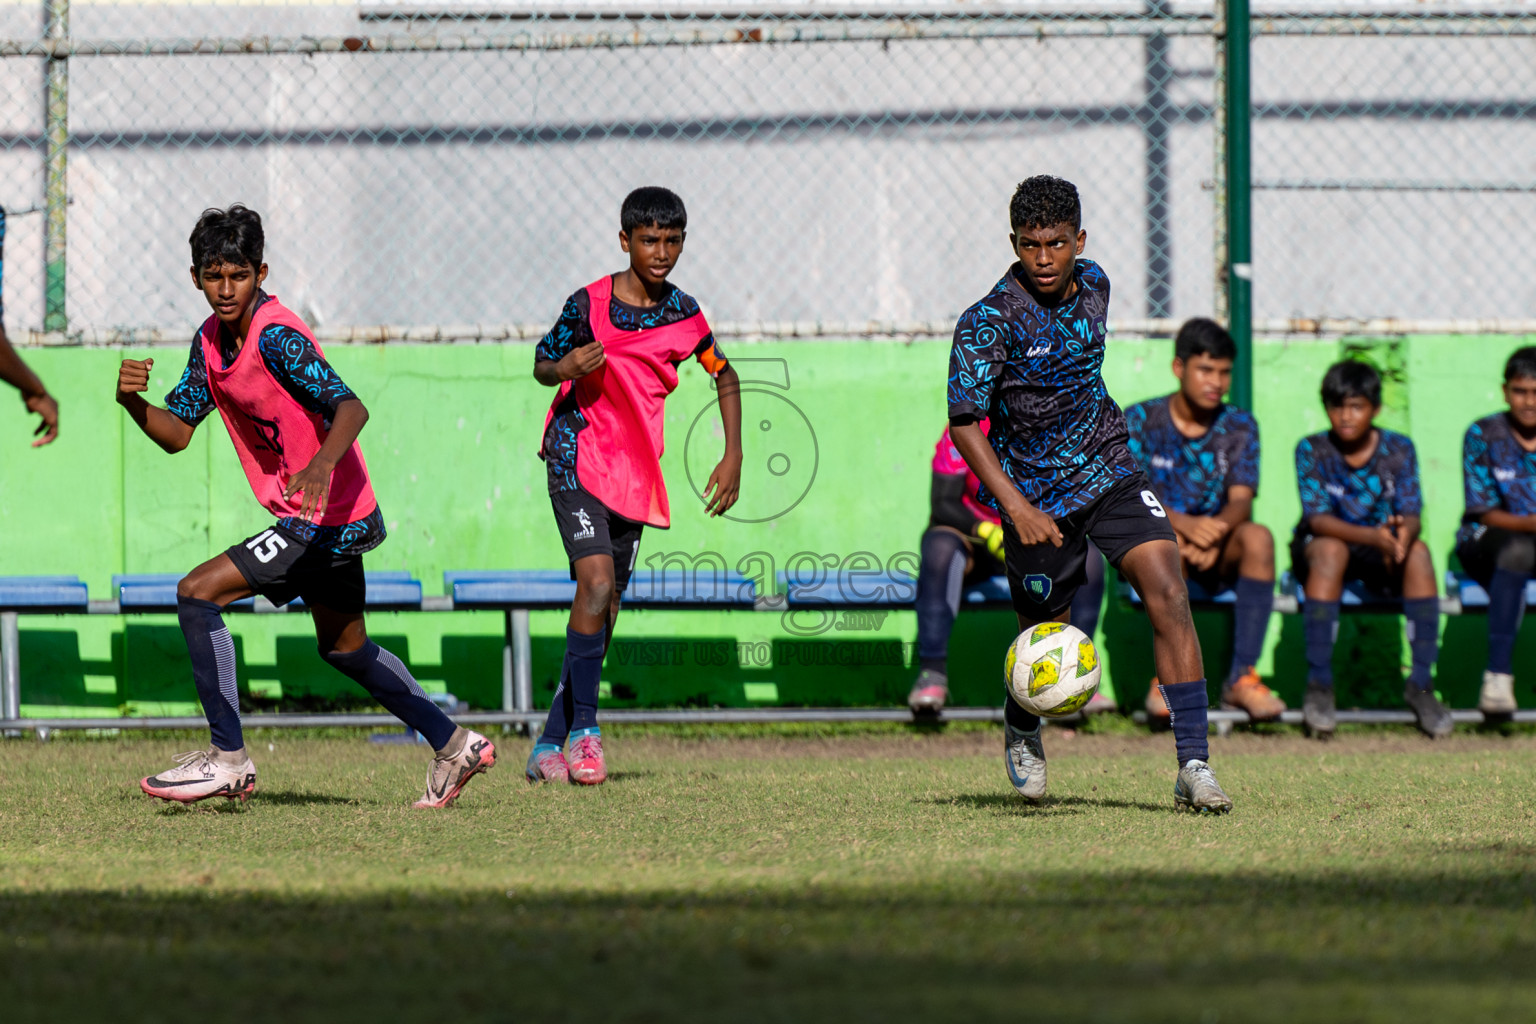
(1327, 555)
(1167, 600)
(1257, 540)
(1518, 554)
(191, 587)
(596, 594)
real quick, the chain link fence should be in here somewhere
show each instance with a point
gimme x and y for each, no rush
(430, 170)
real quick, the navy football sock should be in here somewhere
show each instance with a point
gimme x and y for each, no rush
(940, 576)
(1090, 596)
(1423, 615)
(1322, 630)
(389, 682)
(1019, 718)
(1250, 621)
(584, 658)
(1506, 606)
(557, 726)
(212, 653)
(1187, 707)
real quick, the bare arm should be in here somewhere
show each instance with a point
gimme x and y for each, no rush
(724, 484)
(1502, 520)
(166, 429)
(1393, 538)
(19, 375)
(579, 362)
(1032, 525)
(314, 480)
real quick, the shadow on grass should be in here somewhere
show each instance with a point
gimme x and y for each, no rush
(1113, 946)
(1013, 802)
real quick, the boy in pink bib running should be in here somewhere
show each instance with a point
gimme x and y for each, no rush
(614, 355)
(294, 425)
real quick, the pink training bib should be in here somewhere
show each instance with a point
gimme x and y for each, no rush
(948, 460)
(618, 453)
(274, 435)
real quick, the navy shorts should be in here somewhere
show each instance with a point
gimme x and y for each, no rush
(588, 527)
(280, 566)
(1043, 578)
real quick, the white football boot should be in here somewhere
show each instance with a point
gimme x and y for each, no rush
(1498, 694)
(1024, 756)
(200, 774)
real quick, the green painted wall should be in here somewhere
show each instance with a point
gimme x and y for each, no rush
(841, 431)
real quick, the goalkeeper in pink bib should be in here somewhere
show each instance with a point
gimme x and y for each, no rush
(614, 355)
(294, 424)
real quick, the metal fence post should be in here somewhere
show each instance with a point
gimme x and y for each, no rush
(1238, 144)
(522, 663)
(56, 181)
(10, 668)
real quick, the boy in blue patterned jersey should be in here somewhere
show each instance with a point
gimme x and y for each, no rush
(1360, 506)
(1056, 464)
(1202, 456)
(1497, 539)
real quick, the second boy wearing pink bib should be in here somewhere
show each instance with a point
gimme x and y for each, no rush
(273, 434)
(618, 455)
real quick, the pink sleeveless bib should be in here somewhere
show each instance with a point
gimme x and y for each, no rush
(618, 453)
(274, 435)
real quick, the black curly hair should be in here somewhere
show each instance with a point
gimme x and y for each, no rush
(231, 236)
(1044, 201)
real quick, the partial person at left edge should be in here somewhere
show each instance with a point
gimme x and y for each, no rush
(15, 372)
(294, 425)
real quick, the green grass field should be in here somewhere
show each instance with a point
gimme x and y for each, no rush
(864, 874)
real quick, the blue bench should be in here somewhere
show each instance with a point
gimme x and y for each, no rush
(1201, 596)
(875, 588)
(516, 592)
(34, 594)
(1470, 594)
(144, 593)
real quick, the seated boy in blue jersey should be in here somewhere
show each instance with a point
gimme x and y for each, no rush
(1497, 540)
(1360, 506)
(1056, 463)
(1202, 456)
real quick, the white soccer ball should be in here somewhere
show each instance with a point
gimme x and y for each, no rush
(1052, 670)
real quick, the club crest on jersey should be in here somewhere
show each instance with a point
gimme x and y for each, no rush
(1038, 586)
(584, 521)
(271, 439)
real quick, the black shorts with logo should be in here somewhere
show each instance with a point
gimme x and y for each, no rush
(280, 566)
(588, 527)
(1044, 578)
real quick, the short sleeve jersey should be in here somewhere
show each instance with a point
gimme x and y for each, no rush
(1385, 486)
(296, 365)
(947, 461)
(1497, 473)
(1035, 371)
(573, 330)
(1192, 475)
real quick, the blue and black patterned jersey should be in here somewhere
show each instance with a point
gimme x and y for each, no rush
(1192, 475)
(291, 359)
(1496, 471)
(573, 330)
(294, 363)
(1035, 371)
(1386, 486)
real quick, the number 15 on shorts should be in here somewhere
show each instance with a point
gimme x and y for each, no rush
(266, 544)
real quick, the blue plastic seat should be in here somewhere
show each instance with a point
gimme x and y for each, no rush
(1199, 593)
(1355, 595)
(852, 588)
(1471, 593)
(43, 593)
(553, 588)
(156, 592)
